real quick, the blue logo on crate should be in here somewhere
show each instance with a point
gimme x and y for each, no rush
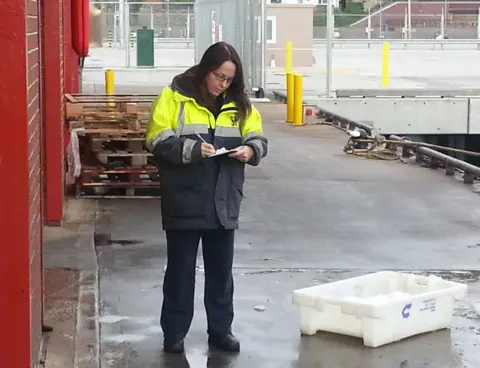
(406, 310)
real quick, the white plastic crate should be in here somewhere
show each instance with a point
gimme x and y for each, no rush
(381, 307)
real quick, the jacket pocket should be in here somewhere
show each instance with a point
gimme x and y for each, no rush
(235, 188)
(184, 192)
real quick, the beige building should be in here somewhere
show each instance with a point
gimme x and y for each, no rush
(289, 22)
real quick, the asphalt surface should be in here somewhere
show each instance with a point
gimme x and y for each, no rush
(351, 68)
(311, 215)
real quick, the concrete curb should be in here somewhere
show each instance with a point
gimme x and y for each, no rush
(87, 339)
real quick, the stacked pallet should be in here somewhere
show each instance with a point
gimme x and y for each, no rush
(111, 135)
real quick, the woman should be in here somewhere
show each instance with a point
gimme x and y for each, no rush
(203, 110)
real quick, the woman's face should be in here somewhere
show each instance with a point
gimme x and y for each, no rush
(219, 80)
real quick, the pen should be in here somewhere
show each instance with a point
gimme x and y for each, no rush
(199, 136)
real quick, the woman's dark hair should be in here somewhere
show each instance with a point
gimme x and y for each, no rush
(212, 59)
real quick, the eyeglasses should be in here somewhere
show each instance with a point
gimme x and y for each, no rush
(223, 78)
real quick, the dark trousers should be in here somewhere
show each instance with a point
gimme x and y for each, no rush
(179, 281)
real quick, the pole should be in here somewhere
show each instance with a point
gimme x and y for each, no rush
(380, 20)
(405, 24)
(290, 97)
(110, 84)
(409, 5)
(188, 22)
(121, 22)
(328, 64)
(262, 45)
(126, 33)
(298, 100)
(385, 63)
(115, 27)
(288, 57)
(478, 24)
(168, 19)
(369, 25)
(445, 17)
(442, 24)
(152, 18)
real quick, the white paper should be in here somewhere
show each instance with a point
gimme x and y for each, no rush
(222, 151)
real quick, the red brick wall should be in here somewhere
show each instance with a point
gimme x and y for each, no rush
(20, 230)
(53, 106)
(33, 72)
(34, 119)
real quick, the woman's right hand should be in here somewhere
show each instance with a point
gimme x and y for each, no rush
(207, 150)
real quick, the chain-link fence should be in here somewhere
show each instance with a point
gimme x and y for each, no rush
(168, 19)
(236, 22)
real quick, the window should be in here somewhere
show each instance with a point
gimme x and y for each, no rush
(270, 29)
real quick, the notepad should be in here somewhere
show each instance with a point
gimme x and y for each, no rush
(222, 151)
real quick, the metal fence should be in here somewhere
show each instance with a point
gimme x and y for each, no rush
(168, 19)
(176, 19)
(237, 22)
(389, 23)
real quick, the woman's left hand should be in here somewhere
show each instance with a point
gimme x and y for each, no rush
(243, 153)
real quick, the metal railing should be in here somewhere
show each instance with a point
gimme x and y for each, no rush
(449, 44)
(412, 44)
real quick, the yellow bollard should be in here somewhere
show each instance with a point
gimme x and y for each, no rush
(290, 97)
(110, 84)
(288, 57)
(385, 62)
(298, 100)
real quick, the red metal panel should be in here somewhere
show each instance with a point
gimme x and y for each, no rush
(70, 58)
(81, 26)
(15, 343)
(53, 101)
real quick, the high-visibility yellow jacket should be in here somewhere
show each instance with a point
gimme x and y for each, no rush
(200, 193)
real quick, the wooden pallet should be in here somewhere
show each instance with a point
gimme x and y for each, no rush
(127, 175)
(110, 132)
(125, 181)
(123, 193)
(124, 158)
(112, 145)
(102, 98)
(108, 111)
(125, 143)
(133, 125)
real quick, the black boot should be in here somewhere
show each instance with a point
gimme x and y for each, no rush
(226, 343)
(174, 348)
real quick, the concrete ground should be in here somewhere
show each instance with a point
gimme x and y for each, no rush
(71, 290)
(311, 215)
(351, 68)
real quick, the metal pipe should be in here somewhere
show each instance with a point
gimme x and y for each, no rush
(448, 160)
(121, 22)
(409, 5)
(126, 33)
(328, 79)
(263, 45)
(442, 24)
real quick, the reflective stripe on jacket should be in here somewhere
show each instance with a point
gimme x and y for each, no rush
(200, 193)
